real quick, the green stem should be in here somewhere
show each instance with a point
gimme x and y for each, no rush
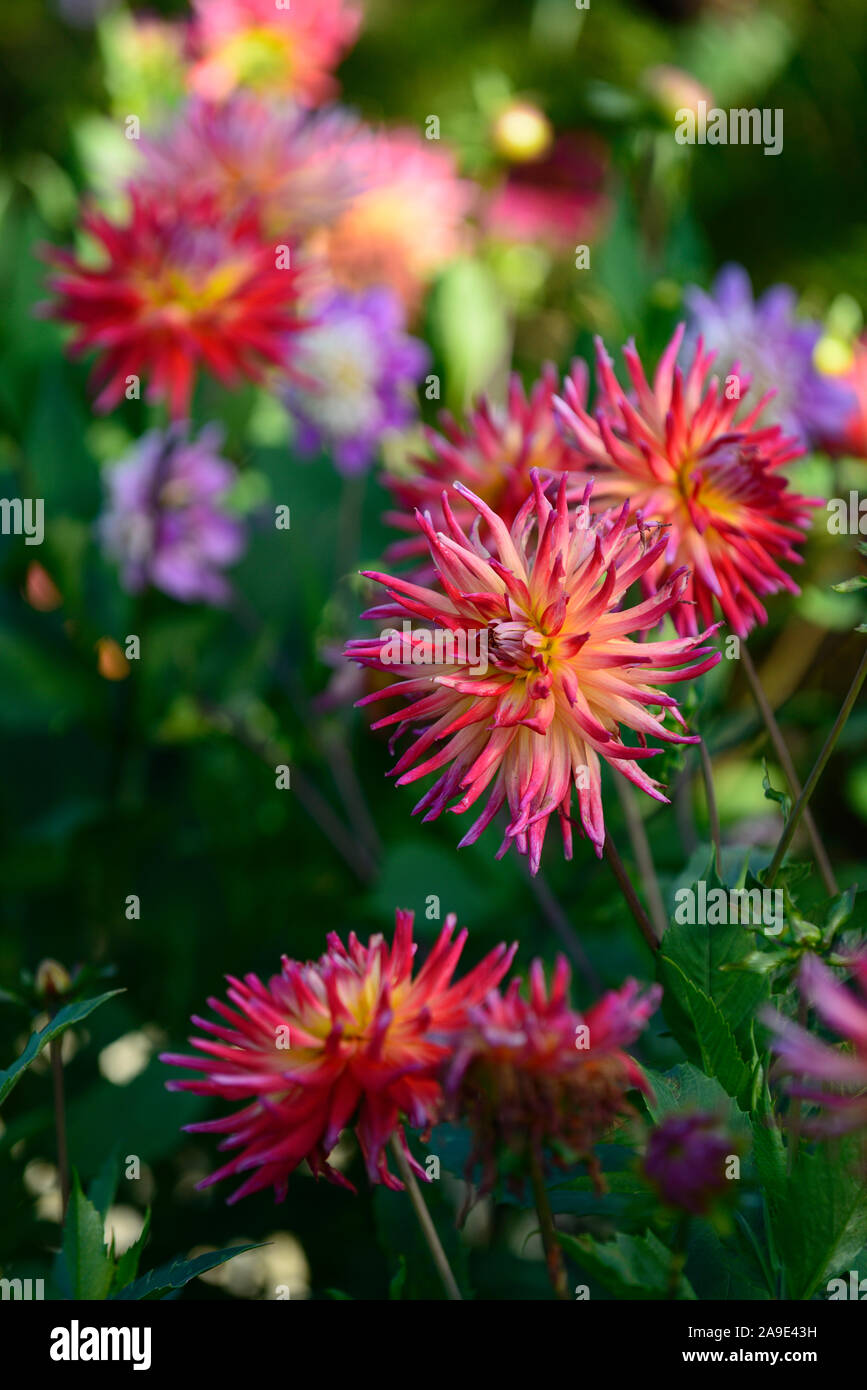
(629, 893)
(553, 1253)
(428, 1229)
(712, 811)
(820, 854)
(801, 804)
(643, 857)
(55, 1052)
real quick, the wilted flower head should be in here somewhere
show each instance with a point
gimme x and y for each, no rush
(271, 45)
(558, 200)
(291, 168)
(165, 523)
(686, 1161)
(524, 674)
(833, 1078)
(357, 373)
(677, 454)
(774, 348)
(493, 453)
(533, 1076)
(348, 1041)
(178, 287)
(407, 223)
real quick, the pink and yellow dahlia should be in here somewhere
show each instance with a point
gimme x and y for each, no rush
(534, 1077)
(292, 169)
(178, 287)
(525, 675)
(493, 454)
(678, 454)
(351, 1040)
(833, 1079)
(271, 45)
(407, 223)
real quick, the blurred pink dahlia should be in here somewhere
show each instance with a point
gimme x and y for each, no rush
(291, 168)
(524, 674)
(271, 45)
(407, 223)
(533, 1075)
(351, 1040)
(178, 287)
(834, 1079)
(493, 454)
(676, 453)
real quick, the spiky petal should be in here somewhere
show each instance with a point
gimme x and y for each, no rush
(677, 452)
(346, 1041)
(561, 680)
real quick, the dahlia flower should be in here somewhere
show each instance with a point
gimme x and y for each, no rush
(164, 522)
(775, 350)
(686, 1161)
(359, 371)
(558, 200)
(347, 1041)
(851, 435)
(677, 455)
(289, 167)
(836, 1080)
(179, 287)
(271, 45)
(531, 673)
(406, 224)
(532, 1075)
(493, 454)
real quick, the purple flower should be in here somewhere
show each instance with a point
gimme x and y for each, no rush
(774, 348)
(833, 1078)
(686, 1161)
(362, 370)
(164, 522)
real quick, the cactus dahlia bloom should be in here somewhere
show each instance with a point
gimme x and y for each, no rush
(291, 168)
(271, 45)
(833, 1079)
(531, 673)
(677, 455)
(493, 454)
(533, 1075)
(686, 1161)
(347, 1041)
(178, 288)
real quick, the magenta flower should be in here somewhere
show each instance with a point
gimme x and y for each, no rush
(165, 522)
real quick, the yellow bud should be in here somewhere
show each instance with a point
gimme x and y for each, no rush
(52, 979)
(522, 132)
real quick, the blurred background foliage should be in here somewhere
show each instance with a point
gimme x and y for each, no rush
(157, 778)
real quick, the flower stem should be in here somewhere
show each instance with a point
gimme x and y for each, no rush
(800, 807)
(712, 811)
(428, 1229)
(553, 1253)
(780, 748)
(643, 857)
(629, 893)
(557, 918)
(55, 1052)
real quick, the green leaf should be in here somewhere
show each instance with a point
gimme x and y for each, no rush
(160, 1283)
(720, 1055)
(127, 1266)
(104, 1186)
(395, 1288)
(86, 1263)
(819, 1217)
(65, 1018)
(629, 1266)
